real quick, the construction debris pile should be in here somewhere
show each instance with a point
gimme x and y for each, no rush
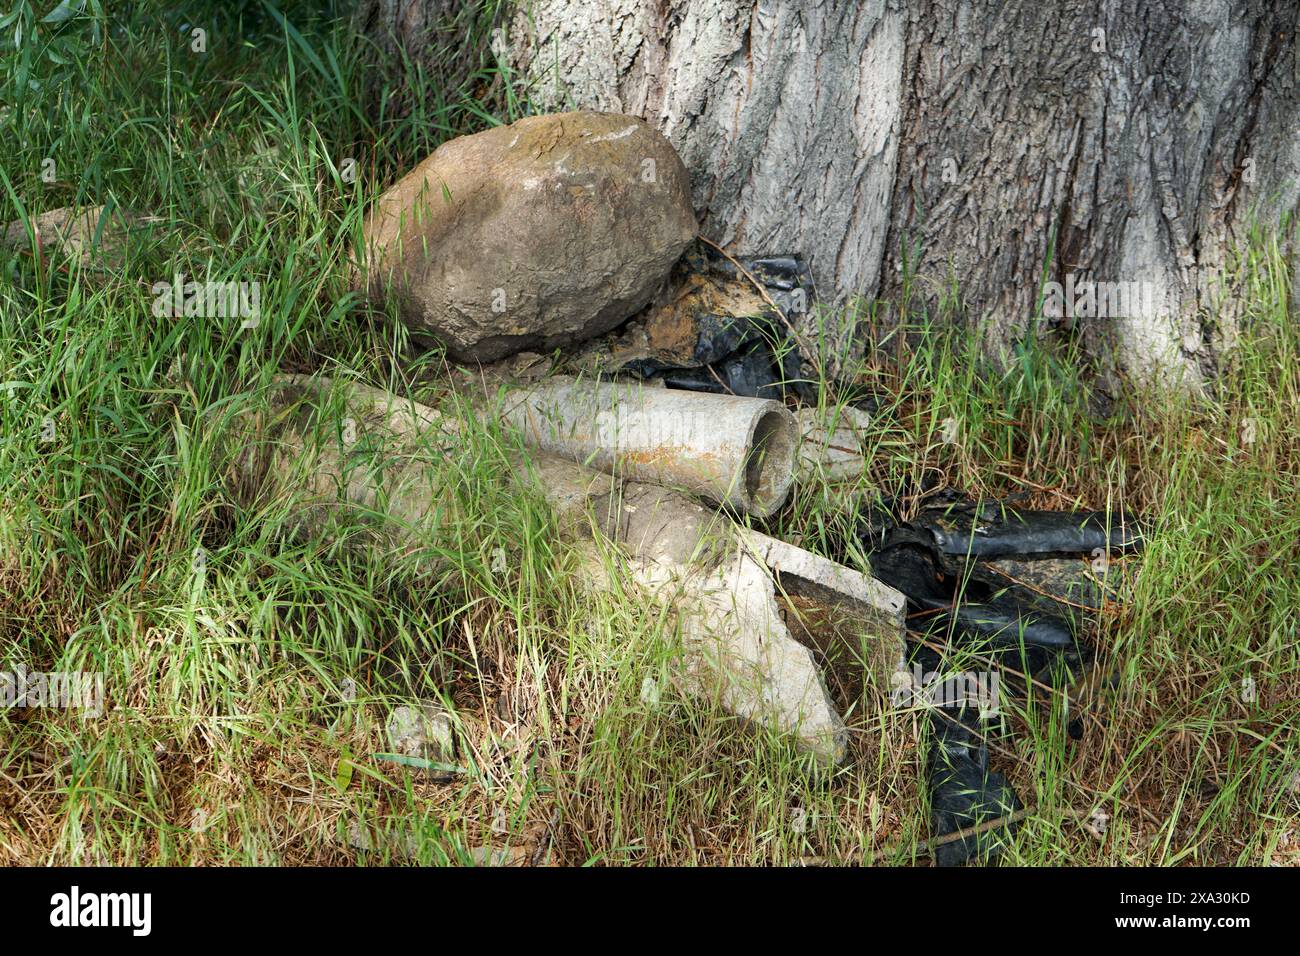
(675, 408)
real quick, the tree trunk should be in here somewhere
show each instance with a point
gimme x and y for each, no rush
(1122, 141)
(986, 148)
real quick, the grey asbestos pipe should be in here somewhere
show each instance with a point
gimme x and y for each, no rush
(734, 451)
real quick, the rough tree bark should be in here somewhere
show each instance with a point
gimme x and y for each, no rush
(986, 147)
(1128, 140)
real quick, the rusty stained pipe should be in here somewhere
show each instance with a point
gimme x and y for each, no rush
(731, 450)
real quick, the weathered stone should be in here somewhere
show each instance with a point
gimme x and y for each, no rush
(547, 231)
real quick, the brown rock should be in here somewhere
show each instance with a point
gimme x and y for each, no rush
(529, 236)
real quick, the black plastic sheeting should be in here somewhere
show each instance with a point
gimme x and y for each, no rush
(967, 611)
(965, 794)
(944, 562)
(995, 529)
(754, 356)
(951, 562)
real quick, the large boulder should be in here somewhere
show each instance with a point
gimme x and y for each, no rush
(541, 233)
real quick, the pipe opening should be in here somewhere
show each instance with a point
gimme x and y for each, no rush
(769, 465)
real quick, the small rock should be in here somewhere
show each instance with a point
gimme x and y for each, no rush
(950, 431)
(424, 731)
(538, 234)
(1097, 823)
(403, 843)
(798, 820)
(359, 837)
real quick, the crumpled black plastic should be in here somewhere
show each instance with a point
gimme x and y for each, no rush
(996, 529)
(967, 612)
(780, 275)
(964, 791)
(753, 356)
(944, 561)
(754, 370)
(940, 561)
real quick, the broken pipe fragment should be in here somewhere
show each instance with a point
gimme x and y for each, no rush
(722, 582)
(733, 451)
(832, 443)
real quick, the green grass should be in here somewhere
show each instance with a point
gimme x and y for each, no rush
(246, 703)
